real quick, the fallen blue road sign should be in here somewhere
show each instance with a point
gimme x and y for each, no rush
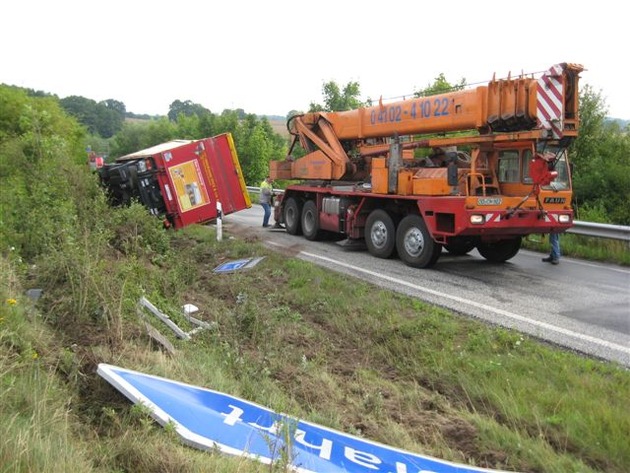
(237, 265)
(207, 419)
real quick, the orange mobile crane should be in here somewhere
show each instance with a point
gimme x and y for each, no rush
(498, 172)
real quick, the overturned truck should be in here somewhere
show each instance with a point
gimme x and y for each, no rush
(181, 181)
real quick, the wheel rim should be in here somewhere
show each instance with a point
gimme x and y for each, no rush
(378, 235)
(414, 242)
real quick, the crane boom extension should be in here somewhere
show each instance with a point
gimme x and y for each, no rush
(547, 105)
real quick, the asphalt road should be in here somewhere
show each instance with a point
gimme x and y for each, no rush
(579, 305)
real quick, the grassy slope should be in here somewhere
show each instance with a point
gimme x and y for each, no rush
(293, 337)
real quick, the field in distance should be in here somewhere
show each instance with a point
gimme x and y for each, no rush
(279, 126)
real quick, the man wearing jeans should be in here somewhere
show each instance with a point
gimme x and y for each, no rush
(554, 256)
(266, 191)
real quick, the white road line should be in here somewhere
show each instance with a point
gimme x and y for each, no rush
(510, 315)
(591, 265)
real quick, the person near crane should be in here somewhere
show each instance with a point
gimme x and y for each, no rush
(554, 255)
(266, 196)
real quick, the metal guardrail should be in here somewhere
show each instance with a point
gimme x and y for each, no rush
(600, 230)
(590, 229)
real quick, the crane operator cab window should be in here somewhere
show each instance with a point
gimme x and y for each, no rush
(509, 166)
(514, 168)
(563, 181)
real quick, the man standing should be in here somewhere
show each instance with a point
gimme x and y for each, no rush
(266, 192)
(554, 256)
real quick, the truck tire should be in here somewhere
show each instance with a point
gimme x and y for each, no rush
(380, 234)
(500, 251)
(310, 221)
(292, 215)
(415, 246)
(460, 246)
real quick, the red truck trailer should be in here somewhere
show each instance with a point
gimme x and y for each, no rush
(182, 181)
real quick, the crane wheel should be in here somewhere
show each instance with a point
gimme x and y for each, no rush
(415, 246)
(380, 234)
(292, 216)
(500, 251)
(310, 221)
(460, 246)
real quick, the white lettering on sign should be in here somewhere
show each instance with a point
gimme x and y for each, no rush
(234, 416)
(325, 449)
(362, 458)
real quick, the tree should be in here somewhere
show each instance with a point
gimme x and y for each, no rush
(601, 164)
(103, 118)
(257, 144)
(440, 86)
(187, 108)
(83, 109)
(130, 139)
(336, 100)
(42, 168)
(136, 136)
(115, 105)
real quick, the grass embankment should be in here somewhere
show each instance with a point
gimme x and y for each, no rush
(290, 336)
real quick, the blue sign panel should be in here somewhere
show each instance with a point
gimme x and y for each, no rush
(236, 265)
(209, 419)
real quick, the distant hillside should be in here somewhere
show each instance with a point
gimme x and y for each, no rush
(622, 123)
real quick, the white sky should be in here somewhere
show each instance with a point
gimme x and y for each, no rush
(270, 57)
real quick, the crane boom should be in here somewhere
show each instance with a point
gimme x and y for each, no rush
(547, 105)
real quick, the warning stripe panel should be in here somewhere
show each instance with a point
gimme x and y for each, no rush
(550, 100)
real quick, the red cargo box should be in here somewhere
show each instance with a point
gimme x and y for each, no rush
(194, 176)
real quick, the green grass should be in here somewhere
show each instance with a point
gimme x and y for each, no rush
(298, 339)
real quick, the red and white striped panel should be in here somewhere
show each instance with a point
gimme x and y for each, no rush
(551, 100)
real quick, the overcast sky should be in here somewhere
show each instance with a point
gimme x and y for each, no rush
(270, 57)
